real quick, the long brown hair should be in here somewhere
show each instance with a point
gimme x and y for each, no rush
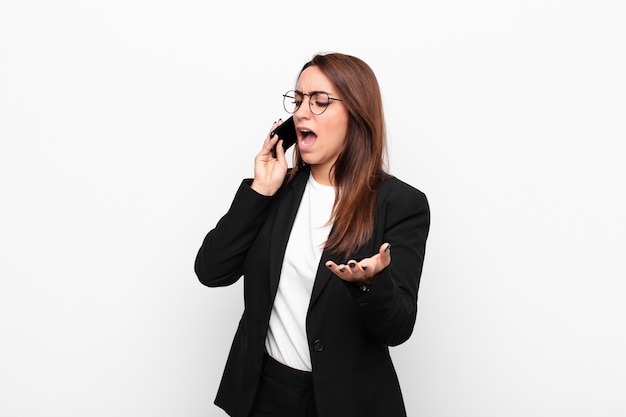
(360, 167)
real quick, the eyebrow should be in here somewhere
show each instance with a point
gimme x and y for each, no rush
(313, 92)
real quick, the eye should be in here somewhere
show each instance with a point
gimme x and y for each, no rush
(320, 100)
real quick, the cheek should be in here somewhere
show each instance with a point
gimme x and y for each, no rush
(336, 141)
(339, 132)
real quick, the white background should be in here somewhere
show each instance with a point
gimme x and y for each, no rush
(126, 127)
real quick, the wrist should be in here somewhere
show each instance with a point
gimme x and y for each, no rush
(263, 190)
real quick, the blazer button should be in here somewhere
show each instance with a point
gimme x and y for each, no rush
(318, 346)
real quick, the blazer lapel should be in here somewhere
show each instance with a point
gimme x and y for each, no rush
(285, 217)
(321, 278)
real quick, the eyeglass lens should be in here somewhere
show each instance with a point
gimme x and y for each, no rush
(318, 101)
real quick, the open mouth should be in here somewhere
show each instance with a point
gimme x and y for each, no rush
(306, 139)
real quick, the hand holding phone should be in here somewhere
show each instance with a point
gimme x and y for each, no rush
(287, 132)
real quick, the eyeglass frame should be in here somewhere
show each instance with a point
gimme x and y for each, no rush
(297, 107)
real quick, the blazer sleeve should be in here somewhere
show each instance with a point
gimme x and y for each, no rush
(389, 308)
(219, 261)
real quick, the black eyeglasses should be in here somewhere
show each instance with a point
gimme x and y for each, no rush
(318, 101)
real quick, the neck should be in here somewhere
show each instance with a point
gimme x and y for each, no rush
(321, 175)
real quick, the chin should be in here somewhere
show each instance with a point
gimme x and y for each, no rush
(307, 159)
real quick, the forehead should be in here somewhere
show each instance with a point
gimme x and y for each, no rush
(313, 79)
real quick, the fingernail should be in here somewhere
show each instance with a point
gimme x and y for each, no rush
(342, 269)
(327, 265)
(388, 247)
(272, 135)
(364, 268)
(351, 264)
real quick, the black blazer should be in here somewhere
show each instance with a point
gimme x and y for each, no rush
(349, 330)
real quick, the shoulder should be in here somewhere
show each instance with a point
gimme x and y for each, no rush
(394, 189)
(397, 200)
(399, 203)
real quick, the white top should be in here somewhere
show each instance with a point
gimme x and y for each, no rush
(286, 339)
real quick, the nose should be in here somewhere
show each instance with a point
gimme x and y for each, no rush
(304, 111)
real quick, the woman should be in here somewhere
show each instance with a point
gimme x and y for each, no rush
(331, 253)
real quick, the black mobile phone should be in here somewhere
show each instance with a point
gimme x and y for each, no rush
(287, 132)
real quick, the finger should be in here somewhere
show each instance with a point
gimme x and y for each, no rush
(271, 135)
(337, 269)
(274, 127)
(280, 151)
(269, 144)
(385, 253)
(351, 271)
(361, 270)
(354, 266)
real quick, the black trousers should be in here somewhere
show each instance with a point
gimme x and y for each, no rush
(284, 392)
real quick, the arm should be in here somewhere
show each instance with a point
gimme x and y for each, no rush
(220, 259)
(388, 303)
